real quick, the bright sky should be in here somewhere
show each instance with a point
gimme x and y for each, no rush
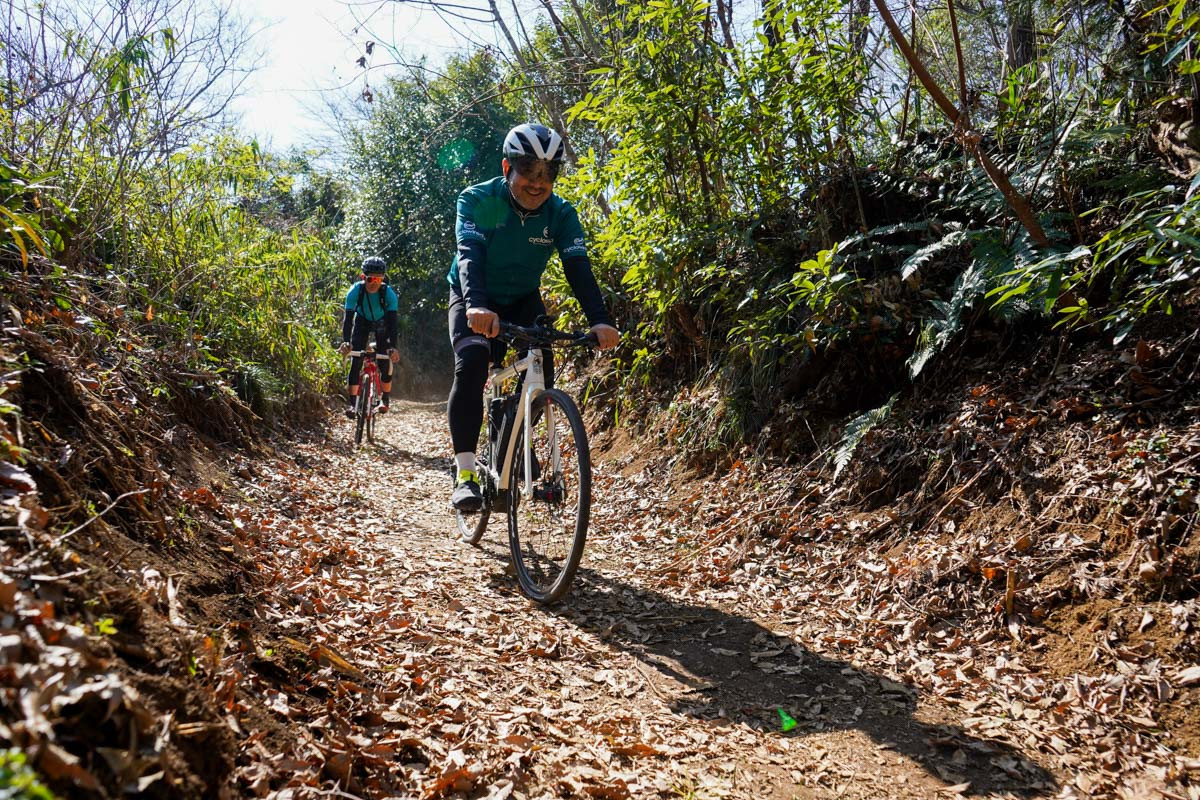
(310, 48)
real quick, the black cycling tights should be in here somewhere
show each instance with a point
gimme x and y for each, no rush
(464, 408)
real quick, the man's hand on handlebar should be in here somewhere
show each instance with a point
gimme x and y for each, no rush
(607, 337)
(394, 355)
(343, 348)
(483, 321)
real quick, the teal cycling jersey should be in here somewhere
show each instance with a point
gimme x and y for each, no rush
(518, 245)
(371, 307)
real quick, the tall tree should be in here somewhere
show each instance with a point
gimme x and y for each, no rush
(424, 141)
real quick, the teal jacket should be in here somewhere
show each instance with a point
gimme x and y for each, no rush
(382, 306)
(503, 251)
(372, 307)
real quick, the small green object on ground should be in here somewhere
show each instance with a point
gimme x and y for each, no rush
(785, 720)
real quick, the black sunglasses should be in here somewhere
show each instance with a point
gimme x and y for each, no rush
(533, 167)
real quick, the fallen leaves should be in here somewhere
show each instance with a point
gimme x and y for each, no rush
(377, 656)
(1189, 676)
(57, 682)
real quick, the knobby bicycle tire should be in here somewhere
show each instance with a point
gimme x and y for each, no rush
(360, 415)
(546, 532)
(472, 526)
(371, 411)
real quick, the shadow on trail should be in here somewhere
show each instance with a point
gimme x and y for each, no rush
(382, 449)
(337, 434)
(713, 653)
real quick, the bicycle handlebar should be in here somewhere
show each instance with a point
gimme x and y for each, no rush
(545, 335)
(357, 353)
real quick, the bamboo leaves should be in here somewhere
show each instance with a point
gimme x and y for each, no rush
(20, 226)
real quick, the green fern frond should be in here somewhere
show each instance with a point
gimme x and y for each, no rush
(927, 346)
(937, 333)
(1015, 309)
(848, 244)
(899, 227)
(258, 387)
(927, 253)
(855, 431)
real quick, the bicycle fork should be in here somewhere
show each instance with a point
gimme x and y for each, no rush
(504, 463)
(535, 381)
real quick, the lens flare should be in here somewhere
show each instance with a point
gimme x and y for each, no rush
(455, 154)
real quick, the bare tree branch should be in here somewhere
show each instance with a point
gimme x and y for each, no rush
(969, 138)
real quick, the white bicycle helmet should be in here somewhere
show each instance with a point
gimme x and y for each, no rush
(531, 139)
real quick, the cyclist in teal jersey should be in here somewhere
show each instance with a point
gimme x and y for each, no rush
(506, 230)
(371, 306)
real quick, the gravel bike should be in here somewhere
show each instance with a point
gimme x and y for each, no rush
(370, 394)
(534, 465)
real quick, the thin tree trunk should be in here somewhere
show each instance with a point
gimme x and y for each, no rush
(543, 98)
(908, 84)
(571, 46)
(725, 17)
(593, 47)
(963, 98)
(699, 152)
(859, 26)
(904, 109)
(969, 138)
(1020, 45)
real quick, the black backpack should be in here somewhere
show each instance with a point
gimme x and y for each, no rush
(363, 293)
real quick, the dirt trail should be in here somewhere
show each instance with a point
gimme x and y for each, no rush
(630, 687)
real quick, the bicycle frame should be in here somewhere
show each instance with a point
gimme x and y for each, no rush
(533, 385)
(370, 369)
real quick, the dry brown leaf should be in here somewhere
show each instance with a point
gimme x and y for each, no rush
(456, 778)
(1188, 677)
(338, 764)
(636, 749)
(60, 765)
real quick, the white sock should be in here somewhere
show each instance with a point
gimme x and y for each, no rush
(465, 461)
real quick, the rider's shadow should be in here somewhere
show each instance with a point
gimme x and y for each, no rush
(727, 666)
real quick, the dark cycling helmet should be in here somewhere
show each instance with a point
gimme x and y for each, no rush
(532, 139)
(373, 265)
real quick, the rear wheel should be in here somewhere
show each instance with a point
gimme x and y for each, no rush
(548, 510)
(471, 526)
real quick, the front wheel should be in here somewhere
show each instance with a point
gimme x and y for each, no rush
(549, 508)
(371, 411)
(361, 411)
(472, 526)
